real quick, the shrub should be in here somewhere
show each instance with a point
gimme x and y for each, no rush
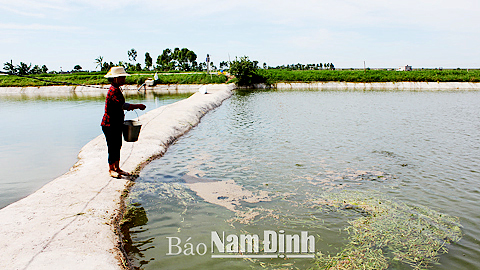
(246, 72)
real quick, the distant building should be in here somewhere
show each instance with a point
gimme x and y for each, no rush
(405, 68)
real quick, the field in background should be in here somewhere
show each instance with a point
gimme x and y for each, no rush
(271, 76)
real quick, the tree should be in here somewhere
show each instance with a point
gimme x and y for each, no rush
(148, 61)
(10, 68)
(99, 62)
(245, 71)
(23, 69)
(191, 58)
(132, 55)
(223, 65)
(202, 66)
(107, 66)
(77, 68)
(194, 65)
(122, 64)
(184, 59)
(175, 57)
(44, 69)
(178, 59)
(164, 60)
(36, 70)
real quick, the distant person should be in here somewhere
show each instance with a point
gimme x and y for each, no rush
(112, 122)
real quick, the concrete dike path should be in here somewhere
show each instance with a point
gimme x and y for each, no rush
(97, 90)
(71, 223)
(379, 86)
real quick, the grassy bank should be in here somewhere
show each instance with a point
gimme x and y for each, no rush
(270, 76)
(282, 75)
(97, 78)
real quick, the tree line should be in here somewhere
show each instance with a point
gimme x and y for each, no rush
(248, 73)
(23, 68)
(170, 60)
(299, 66)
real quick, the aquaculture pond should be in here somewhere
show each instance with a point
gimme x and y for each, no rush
(40, 136)
(378, 179)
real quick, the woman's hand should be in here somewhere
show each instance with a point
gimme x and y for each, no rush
(136, 106)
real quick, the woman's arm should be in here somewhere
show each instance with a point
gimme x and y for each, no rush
(131, 107)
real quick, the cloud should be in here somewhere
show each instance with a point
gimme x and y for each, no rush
(23, 13)
(33, 7)
(35, 26)
(272, 29)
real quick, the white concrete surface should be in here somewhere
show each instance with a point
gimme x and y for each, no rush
(97, 90)
(193, 88)
(406, 86)
(69, 223)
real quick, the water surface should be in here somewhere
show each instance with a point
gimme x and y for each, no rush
(40, 137)
(420, 149)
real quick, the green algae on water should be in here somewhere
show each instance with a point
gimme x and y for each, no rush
(389, 232)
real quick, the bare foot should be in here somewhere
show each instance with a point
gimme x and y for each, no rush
(123, 172)
(114, 174)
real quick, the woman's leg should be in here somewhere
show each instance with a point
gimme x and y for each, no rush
(118, 170)
(113, 136)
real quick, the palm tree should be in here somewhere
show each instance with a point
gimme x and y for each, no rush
(9, 67)
(24, 69)
(99, 62)
(132, 55)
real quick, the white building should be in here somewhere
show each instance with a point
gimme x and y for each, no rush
(405, 68)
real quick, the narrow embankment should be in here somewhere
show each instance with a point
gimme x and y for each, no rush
(394, 86)
(97, 90)
(70, 222)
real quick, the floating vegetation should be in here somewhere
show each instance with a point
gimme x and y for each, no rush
(330, 180)
(389, 232)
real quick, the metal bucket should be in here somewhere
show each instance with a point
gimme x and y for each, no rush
(131, 130)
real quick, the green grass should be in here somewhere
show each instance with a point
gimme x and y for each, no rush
(277, 75)
(97, 78)
(272, 76)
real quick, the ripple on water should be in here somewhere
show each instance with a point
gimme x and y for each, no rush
(299, 148)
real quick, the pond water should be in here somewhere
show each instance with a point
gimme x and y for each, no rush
(390, 178)
(40, 137)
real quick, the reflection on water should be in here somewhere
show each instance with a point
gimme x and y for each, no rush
(40, 137)
(295, 151)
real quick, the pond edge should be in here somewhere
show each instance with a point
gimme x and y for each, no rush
(72, 221)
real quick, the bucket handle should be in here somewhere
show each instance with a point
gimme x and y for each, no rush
(138, 117)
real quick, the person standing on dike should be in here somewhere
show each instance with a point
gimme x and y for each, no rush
(112, 122)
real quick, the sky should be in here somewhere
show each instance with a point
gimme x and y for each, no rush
(384, 34)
